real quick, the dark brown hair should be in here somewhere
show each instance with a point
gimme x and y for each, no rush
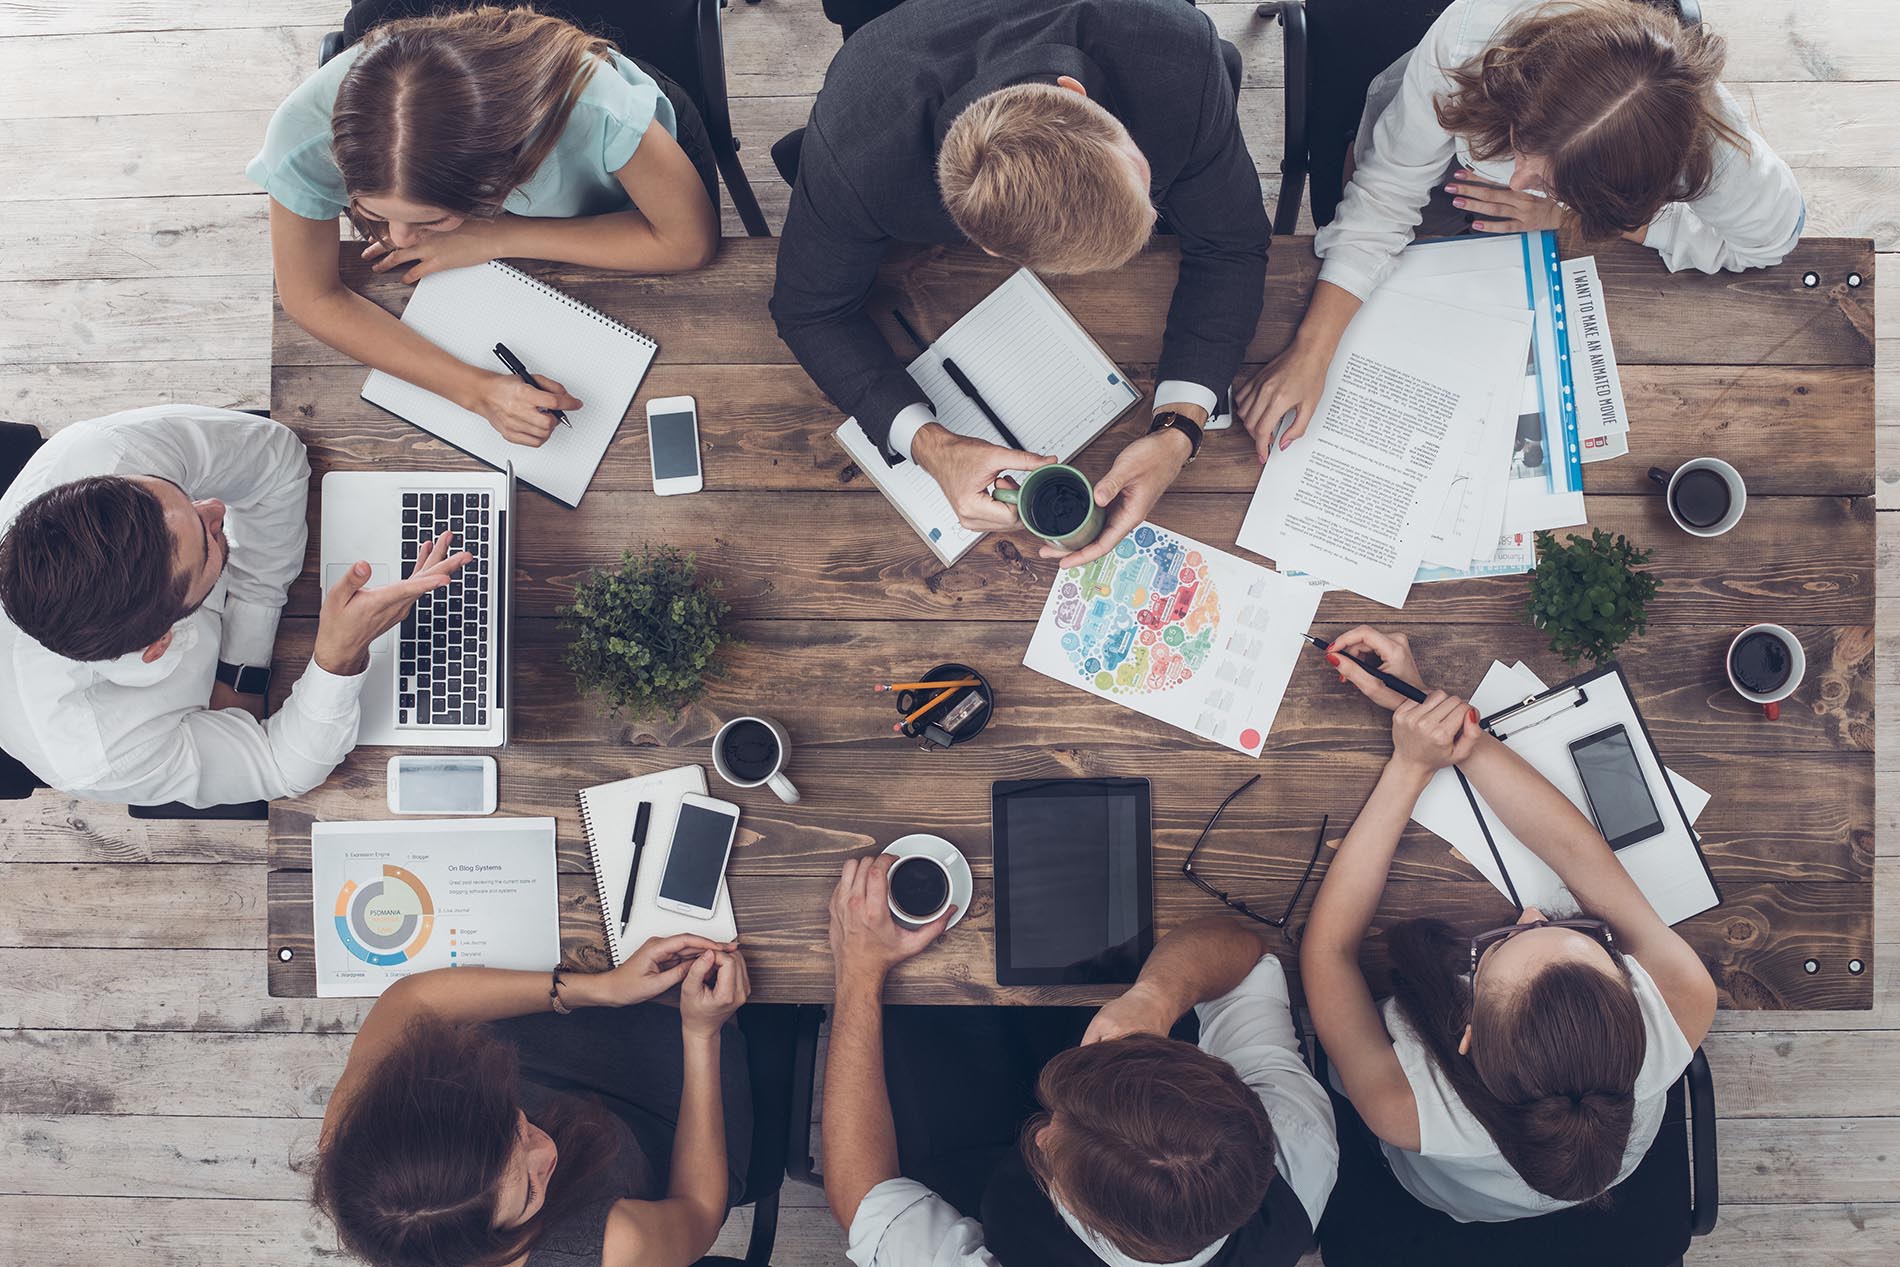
(1553, 1064)
(88, 569)
(1157, 1146)
(1618, 96)
(458, 109)
(409, 1170)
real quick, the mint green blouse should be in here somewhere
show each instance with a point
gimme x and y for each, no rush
(609, 118)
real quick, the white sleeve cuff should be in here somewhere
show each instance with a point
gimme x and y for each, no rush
(911, 419)
(327, 696)
(247, 633)
(1177, 391)
(1355, 281)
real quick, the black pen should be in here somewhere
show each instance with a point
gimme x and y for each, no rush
(964, 385)
(1398, 684)
(633, 869)
(520, 371)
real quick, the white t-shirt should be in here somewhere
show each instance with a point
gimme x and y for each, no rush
(1458, 1168)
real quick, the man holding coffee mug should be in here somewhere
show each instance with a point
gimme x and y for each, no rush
(1145, 1148)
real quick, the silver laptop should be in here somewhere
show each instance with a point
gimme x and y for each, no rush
(441, 677)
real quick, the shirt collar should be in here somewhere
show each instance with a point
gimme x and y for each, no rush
(1039, 63)
(1114, 1257)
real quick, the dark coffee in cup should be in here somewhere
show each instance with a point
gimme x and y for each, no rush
(1761, 663)
(1059, 504)
(919, 887)
(750, 750)
(1701, 498)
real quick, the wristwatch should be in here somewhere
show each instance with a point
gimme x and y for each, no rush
(245, 679)
(1168, 420)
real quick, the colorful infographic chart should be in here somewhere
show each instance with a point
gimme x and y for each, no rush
(1177, 630)
(386, 921)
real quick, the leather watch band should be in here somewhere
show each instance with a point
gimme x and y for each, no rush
(245, 679)
(1169, 420)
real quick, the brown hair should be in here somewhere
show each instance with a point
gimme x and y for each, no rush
(1553, 1065)
(409, 1169)
(1155, 1145)
(459, 109)
(1037, 175)
(1618, 96)
(88, 570)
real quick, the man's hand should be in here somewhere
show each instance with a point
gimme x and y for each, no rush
(224, 696)
(1142, 472)
(1140, 1010)
(1503, 210)
(965, 468)
(352, 617)
(474, 241)
(866, 940)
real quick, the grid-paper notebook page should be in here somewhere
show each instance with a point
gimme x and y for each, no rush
(1038, 370)
(466, 312)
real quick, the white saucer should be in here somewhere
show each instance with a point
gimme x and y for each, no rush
(962, 883)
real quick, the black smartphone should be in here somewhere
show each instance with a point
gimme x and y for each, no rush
(1614, 785)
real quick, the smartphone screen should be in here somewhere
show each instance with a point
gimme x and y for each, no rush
(1614, 785)
(697, 860)
(675, 448)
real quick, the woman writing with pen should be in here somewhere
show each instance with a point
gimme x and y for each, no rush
(1525, 1068)
(466, 137)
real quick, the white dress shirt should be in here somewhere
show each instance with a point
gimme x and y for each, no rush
(1750, 216)
(1174, 391)
(902, 1223)
(124, 730)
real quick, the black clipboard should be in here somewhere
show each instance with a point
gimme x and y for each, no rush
(1533, 710)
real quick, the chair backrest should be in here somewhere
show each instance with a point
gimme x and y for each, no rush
(19, 441)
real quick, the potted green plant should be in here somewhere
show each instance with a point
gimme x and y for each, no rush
(645, 633)
(1588, 594)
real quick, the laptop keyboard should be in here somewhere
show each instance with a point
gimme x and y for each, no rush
(442, 664)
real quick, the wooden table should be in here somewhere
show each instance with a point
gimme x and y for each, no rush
(831, 591)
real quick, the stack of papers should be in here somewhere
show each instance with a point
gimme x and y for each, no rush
(1603, 423)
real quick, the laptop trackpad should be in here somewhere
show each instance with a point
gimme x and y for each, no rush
(379, 574)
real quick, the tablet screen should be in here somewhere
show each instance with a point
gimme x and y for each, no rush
(1074, 880)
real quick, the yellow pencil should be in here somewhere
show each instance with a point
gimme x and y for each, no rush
(935, 700)
(923, 686)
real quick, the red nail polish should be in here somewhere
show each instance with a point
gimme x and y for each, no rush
(1332, 659)
(1474, 715)
(1342, 679)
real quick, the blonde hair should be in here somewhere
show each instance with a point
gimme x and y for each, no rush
(1038, 175)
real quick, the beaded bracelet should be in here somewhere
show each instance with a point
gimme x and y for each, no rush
(554, 994)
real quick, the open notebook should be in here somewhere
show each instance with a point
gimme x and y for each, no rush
(607, 816)
(466, 312)
(1038, 369)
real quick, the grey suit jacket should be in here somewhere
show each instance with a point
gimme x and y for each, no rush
(867, 173)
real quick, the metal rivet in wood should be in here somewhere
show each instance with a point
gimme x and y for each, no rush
(1856, 967)
(1810, 967)
(284, 954)
(1853, 279)
(1810, 280)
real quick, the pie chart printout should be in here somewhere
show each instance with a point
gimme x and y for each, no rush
(386, 921)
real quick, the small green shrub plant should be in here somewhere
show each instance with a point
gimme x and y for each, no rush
(1588, 595)
(645, 633)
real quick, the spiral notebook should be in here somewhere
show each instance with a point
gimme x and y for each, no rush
(607, 816)
(466, 312)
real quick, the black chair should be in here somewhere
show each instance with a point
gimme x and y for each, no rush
(679, 38)
(1649, 1220)
(1333, 49)
(19, 441)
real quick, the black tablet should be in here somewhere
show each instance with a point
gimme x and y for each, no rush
(1074, 881)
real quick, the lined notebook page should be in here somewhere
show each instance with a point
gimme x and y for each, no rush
(1039, 371)
(466, 312)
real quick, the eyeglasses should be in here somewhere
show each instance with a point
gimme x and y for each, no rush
(1592, 928)
(1187, 868)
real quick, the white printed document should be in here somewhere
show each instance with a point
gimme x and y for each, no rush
(1034, 365)
(1358, 499)
(395, 898)
(1603, 422)
(1178, 631)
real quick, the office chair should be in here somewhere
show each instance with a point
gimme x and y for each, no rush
(1333, 49)
(19, 441)
(1670, 1198)
(678, 39)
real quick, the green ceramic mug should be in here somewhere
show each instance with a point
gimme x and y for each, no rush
(1057, 503)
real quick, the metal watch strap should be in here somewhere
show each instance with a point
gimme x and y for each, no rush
(1169, 420)
(245, 679)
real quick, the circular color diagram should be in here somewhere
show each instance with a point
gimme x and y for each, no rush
(1140, 620)
(386, 921)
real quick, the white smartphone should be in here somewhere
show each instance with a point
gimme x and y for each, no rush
(696, 858)
(673, 444)
(441, 785)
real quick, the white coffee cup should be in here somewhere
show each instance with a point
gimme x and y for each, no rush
(774, 779)
(1797, 668)
(917, 860)
(1737, 494)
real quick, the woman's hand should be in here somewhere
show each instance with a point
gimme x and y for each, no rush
(660, 964)
(1393, 653)
(1290, 383)
(716, 986)
(519, 411)
(474, 241)
(1501, 210)
(1428, 737)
